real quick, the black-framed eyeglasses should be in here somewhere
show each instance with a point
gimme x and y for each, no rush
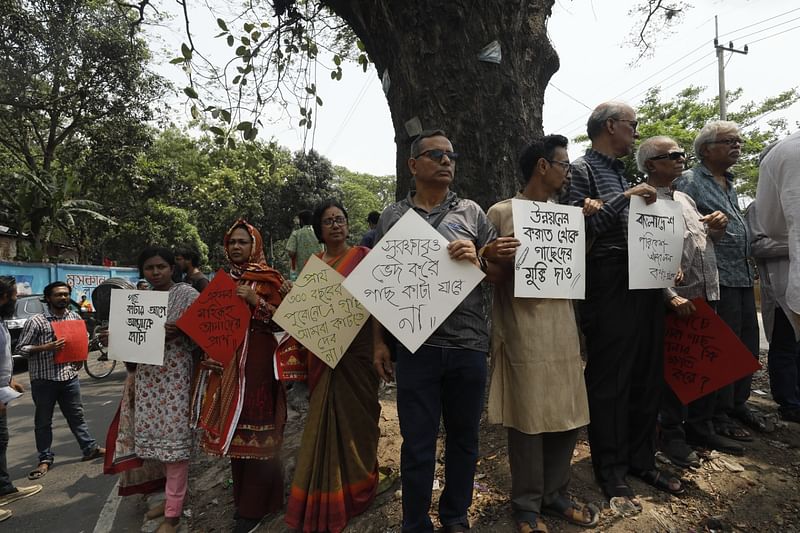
(340, 221)
(672, 156)
(730, 141)
(437, 155)
(563, 164)
(634, 123)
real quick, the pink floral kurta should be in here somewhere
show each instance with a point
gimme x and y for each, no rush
(163, 393)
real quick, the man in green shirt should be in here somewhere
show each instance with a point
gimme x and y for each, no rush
(302, 244)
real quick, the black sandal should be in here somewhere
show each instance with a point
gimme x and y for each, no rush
(661, 481)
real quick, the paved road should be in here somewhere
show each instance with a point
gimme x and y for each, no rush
(74, 492)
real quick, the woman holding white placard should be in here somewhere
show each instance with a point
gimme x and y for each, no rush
(154, 414)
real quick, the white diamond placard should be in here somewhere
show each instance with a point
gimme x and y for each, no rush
(408, 281)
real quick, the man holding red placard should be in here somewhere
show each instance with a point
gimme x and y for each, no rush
(662, 160)
(53, 382)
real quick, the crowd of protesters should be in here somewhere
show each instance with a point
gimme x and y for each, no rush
(539, 386)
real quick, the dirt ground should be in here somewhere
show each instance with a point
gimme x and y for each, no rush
(757, 492)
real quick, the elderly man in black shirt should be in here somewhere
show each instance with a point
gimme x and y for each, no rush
(623, 327)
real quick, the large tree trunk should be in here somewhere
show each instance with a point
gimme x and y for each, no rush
(430, 49)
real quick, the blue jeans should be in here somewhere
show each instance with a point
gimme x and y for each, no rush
(438, 382)
(67, 394)
(5, 480)
(784, 364)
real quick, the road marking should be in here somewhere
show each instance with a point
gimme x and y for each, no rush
(105, 522)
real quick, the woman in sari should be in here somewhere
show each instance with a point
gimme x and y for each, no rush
(336, 477)
(152, 436)
(242, 407)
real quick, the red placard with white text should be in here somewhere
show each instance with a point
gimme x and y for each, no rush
(702, 354)
(76, 345)
(218, 319)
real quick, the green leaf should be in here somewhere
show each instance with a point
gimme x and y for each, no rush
(333, 74)
(231, 40)
(190, 92)
(215, 113)
(303, 122)
(216, 130)
(231, 143)
(226, 115)
(245, 41)
(222, 25)
(237, 79)
(360, 45)
(243, 126)
(256, 35)
(186, 51)
(248, 27)
(178, 60)
(241, 50)
(337, 60)
(250, 135)
(319, 100)
(195, 112)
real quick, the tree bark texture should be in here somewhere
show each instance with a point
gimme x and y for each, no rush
(430, 49)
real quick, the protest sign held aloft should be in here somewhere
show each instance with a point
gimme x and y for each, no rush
(702, 354)
(655, 243)
(136, 326)
(218, 319)
(551, 260)
(408, 281)
(320, 313)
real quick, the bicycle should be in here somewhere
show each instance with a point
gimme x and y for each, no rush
(102, 366)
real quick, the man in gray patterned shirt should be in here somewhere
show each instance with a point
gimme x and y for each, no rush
(447, 375)
(53, 382)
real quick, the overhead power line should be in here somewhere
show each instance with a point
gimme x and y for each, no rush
(759, 22)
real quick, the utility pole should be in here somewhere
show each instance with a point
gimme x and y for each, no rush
(721, 49)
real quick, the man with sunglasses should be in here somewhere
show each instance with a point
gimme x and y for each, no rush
(447, 375)
(623, 327)
(710, 184)
(662, 160)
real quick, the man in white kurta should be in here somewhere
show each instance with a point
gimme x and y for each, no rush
(777, 209)
(537, 388)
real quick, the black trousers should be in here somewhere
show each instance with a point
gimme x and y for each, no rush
(624, 370)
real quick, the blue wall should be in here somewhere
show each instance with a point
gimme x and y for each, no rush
(33, 277)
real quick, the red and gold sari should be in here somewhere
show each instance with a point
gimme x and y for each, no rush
(243, 410)
(336, 476)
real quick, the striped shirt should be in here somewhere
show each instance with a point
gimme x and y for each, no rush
(466, 327)
(596, 175)
(733, 248)
(37, 331)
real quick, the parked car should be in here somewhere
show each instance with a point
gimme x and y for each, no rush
(33, 304)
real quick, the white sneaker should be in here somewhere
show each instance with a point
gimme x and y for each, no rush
(5, 513)
(20, 493)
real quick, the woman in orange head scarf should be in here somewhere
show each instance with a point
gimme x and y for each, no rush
(242, 406)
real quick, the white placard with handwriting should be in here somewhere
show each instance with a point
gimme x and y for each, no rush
(136, 326)
(408, 281)
(655, 243)
(551, 259)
